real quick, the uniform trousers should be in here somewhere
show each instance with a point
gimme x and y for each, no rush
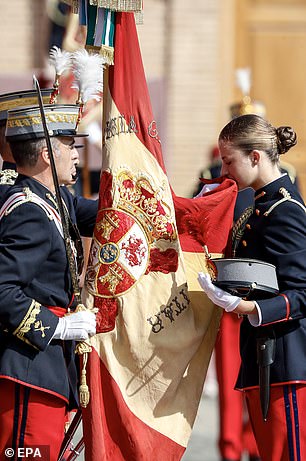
(235, 431)
(30, 419)
(283, 436)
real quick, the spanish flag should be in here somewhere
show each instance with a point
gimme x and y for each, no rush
(156, 328)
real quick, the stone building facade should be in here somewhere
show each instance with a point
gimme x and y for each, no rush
(182, 58)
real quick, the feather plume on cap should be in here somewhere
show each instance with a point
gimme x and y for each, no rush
(243, 80)
(61, 61)
(88, 76)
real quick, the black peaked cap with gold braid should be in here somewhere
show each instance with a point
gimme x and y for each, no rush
(26, 123)
(18, 99)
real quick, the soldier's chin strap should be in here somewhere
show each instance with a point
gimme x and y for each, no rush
(83, 347)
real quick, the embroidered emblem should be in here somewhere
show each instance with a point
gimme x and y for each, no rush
(134, 250)
(108, 224)
(152, 130)
(109, 253)
(8, 177)
(284, 192)
(38, 326)
(138, 197)
(239, 227)
(129, 237)
(27, 322)
(119, 254)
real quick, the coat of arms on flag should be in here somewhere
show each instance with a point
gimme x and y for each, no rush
(156, 328)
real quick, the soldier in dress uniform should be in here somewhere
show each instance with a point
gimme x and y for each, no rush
(273, 330)
(235, 436)
(38, 366)
(235, 432)
(8, 101)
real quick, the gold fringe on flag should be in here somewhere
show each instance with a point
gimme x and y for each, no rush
(119, 5)
(106, 51)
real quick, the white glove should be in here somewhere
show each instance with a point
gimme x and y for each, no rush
(77, 326)
(218, 296)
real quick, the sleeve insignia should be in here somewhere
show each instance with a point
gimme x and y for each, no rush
(38, 326)
(29, 320)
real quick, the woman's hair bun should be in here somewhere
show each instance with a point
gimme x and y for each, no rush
(286, 138)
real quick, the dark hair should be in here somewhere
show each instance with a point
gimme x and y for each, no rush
(2, 138)
(250, 132)
(26, 153)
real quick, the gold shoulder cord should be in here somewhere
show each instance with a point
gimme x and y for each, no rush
(286, 198)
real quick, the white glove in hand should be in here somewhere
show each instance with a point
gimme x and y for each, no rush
(77, 326)
(218, 296)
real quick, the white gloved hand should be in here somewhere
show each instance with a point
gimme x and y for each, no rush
(77, 326)
(218, 296)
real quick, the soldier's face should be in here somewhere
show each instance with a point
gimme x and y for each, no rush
(237, 165)
(66, 160)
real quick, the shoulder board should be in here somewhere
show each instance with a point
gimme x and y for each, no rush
(286, 198)
(27, 196)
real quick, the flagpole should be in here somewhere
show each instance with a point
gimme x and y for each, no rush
(104, 101)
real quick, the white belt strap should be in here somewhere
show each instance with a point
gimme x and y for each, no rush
(27, 196)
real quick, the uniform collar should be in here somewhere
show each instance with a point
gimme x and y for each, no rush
(271, 190)
(8, 166)
(35, 186)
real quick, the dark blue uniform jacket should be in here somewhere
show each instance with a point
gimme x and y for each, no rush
(34, 276)
(276, 233)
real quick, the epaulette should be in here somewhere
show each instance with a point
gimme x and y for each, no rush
(286, 198)
(8, 177)
(27, 196)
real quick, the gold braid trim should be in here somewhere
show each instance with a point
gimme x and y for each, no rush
(239, 227)
(27, 322)
(286, 198)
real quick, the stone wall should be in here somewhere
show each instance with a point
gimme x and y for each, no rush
(181, 54)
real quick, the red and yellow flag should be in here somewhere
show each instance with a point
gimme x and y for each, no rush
(156, 328)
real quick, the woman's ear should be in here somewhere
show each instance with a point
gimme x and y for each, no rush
(255, 157)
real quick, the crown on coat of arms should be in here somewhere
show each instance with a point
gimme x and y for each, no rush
(137, 196)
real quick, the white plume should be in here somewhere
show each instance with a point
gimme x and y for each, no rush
(60, 60)
(88, 74)
(243, 80)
